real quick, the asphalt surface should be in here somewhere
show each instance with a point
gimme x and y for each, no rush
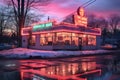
(102, 67)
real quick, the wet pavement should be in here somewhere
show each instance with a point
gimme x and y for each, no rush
(102, 67)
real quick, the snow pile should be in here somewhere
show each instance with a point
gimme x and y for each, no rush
(26, 53)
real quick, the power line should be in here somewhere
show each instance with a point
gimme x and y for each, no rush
(90, 2)
(84, 5)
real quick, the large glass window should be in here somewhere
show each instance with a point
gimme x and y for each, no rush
(91, 40)
(84, 39)
(74, 39)
(63, 38)
(60, 38)
(49, 39)
(43, 39)
(46, 39)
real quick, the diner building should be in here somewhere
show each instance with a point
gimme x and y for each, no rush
(50, 35)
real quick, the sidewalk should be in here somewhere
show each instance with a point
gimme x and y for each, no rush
(28, 53)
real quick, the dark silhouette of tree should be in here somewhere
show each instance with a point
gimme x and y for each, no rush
(4, 18)
(92, 20)
(21, 9)
(95, 22)
(32, 18)
(104, 35)
(114, 20)
(99, 22)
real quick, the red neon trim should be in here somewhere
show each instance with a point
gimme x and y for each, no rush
(62, 30)
(27, 28)
(67, 31)
(89, 72)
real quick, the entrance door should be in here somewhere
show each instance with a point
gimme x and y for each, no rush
(80, 43)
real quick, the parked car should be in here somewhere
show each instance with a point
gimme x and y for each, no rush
(4, 46)
(109, 46)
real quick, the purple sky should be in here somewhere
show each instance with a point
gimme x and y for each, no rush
(58, 9)
(61, 8)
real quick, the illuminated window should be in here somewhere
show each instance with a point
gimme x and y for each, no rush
(43, 39)
(84, 39)
(91, 40)
(74, 39)
(67, 38)
(80, 35)
(86, 66)
(46, 39)
(49, 38)
(63, 38)
(33, 40)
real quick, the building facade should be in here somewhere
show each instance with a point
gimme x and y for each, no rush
(63, 36)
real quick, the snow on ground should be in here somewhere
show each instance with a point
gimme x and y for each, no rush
(26, 53)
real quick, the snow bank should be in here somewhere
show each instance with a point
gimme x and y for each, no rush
(26, 53)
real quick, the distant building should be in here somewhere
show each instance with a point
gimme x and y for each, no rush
(64, 36)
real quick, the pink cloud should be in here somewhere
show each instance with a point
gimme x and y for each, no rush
(58, 10)
(105, 14)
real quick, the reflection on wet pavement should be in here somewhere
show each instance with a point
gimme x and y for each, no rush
(105, 67)
(65, 69)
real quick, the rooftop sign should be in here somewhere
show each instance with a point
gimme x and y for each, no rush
(79, 18)
(43, 26)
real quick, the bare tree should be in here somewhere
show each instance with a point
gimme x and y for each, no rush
(94, 21)
(32, 18)
(99, 22)
(114, 20)
(5, 16)
(2, 21)
(21, 9)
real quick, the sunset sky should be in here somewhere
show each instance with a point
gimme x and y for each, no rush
(61, 8)
(58, 9)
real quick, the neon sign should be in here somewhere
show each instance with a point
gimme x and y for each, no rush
(25, 31)
(79, 18)
(43, 26)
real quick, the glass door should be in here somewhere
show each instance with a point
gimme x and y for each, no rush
(80, 43)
